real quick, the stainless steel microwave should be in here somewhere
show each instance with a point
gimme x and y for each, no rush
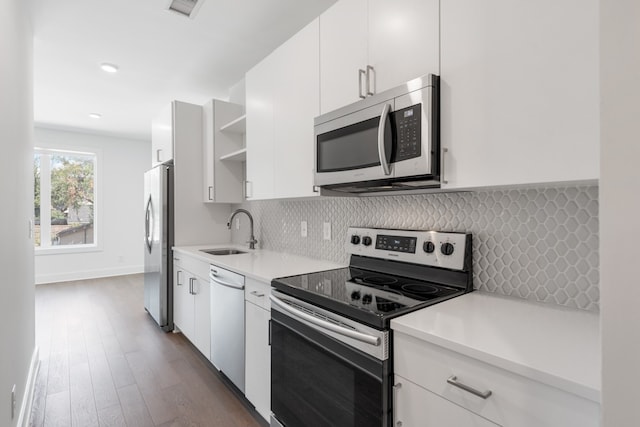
(387, 142)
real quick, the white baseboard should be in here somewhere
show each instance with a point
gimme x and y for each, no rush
(88, 274)
(27, 399)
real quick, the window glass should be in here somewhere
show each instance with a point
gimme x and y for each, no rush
(64, 198)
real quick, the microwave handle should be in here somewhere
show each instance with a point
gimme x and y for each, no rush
(381, 126)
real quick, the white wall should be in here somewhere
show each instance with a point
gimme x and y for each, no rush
(17, 336)
(620, 211)
(120, 210)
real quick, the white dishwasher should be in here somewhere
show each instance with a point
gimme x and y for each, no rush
(227, 323)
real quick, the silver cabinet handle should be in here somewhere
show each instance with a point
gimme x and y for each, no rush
(361, 73)
(381, 127)
(158, 154)
(210, 193)
(368, 339)
(255, 293)
(223, 283)
(248, 189)
(453, 380)
(396, 388)
(370, 72)
(444, 152)
(191, 287)
(178, 275)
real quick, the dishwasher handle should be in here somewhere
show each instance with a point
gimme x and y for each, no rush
(223, 283)
(365, 338)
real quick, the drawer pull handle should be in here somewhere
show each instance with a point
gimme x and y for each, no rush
(255, 293)
(453, 380)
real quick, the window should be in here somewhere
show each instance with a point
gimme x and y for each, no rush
(64, 199)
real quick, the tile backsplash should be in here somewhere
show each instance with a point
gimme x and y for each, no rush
(540, 244)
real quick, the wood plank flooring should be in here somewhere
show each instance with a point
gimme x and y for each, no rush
(104, 362)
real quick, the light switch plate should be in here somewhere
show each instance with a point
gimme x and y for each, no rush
(303, 228)
(326, 231)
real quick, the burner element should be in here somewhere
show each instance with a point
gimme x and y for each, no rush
(379, 280)
(420, 288)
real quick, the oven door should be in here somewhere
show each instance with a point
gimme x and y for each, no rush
(319, 381)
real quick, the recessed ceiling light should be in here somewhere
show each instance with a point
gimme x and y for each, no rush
(109, 68)
(95, 115)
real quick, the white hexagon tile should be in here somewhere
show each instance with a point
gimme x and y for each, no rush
(540, 244)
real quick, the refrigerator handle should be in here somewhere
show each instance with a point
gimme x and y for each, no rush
(148, 225)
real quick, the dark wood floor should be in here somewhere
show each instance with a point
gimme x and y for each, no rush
(104, 362)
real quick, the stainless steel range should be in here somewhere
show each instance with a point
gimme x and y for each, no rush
(331, 345)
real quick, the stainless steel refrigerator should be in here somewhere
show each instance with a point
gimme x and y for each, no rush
(158, 241)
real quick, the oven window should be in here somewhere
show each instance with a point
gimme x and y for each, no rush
(351, 147)
(318, 385)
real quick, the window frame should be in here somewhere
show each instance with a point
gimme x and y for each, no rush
(96, 246)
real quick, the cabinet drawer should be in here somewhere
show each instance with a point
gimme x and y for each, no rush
(515, 400)
(193, 265)
(417, 407)
(258, 293)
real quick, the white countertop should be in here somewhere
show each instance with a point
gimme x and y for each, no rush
(259, 264)
(551, 344)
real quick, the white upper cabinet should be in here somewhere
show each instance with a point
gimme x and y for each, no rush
(519, 91)
(261, 95)
(223, 172)
(282, 101)
(162, 136)
(404, 40)
(343, 53)
(368, 46)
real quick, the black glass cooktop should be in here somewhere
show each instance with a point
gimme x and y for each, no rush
(370, 297)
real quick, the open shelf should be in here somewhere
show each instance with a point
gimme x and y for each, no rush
(236, 156)
(238, 125)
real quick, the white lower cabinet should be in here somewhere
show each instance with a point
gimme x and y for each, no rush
(191, 301)
(514, 400)
(258, 350)
(416, 406)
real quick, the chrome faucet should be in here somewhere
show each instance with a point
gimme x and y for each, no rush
(252, 240)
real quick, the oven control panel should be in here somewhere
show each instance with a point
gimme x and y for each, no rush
(432, 248)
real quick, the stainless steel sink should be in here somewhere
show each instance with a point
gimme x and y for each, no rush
(223, 251)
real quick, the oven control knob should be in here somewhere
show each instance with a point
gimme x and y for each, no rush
(446, 248)
(366, 240)
(355, 295)
(428, 247)
(366, 299)
(355, 239)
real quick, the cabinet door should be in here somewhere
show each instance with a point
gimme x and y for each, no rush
(258, 359)
(182, 301)
(404, 40)
(162, 136)
(294, 108)
(343, 51)
(415, 406)
(222, 180)
(202, 315)
(520, 89)
(260, 95)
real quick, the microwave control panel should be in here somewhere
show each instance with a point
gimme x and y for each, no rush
(408, 130)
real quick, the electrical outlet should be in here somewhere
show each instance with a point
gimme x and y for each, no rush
(303, 228)
(13, 402)
(326, 231)
(237, 223)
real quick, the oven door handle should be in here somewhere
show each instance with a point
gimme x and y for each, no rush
(381, 128)
(365, 338)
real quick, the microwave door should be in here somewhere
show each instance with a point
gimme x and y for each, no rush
(347, 149)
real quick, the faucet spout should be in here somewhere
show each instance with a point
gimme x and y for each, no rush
(252, 240)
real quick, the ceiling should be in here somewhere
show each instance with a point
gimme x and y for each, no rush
(161, 56)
